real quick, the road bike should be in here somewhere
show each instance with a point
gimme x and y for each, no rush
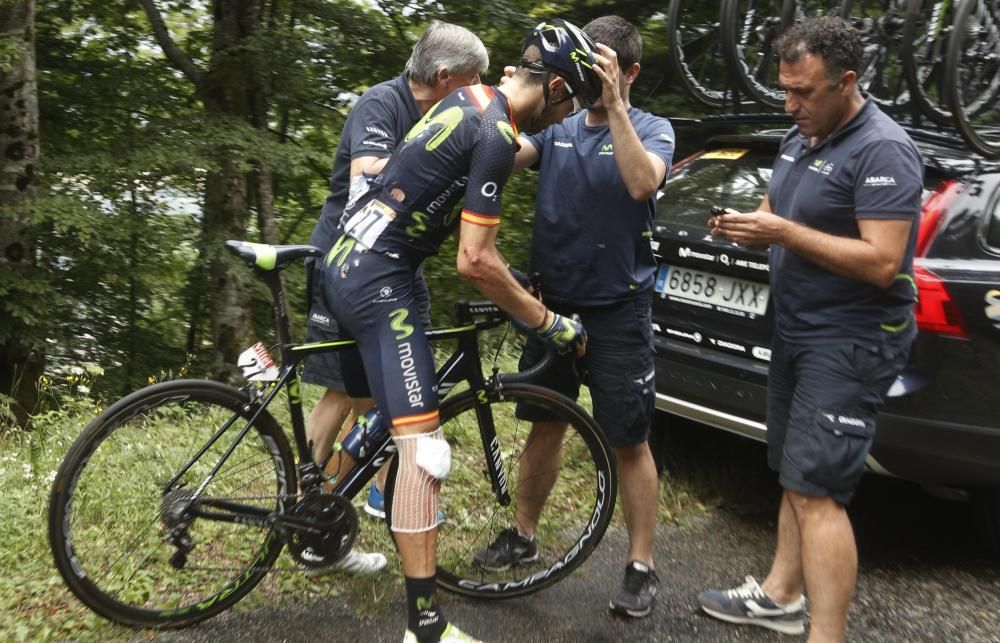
(177, 499)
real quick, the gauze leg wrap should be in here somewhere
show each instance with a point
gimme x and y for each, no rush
(424, 461)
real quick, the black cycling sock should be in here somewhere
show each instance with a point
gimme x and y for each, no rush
(424, 617)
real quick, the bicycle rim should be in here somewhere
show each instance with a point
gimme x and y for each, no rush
(749, 31)
(694, 37)
(109, 521)
(575, 515)
(974, 74)
(925, 45)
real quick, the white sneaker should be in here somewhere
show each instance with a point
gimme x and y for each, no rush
(451, 634)
(355, 562)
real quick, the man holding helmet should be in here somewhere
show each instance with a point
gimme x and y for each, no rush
(464, 146)
(599, 173)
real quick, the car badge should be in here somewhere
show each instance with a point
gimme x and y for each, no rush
(993, 306)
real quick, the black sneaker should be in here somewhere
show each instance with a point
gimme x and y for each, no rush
(749, 604)
(638, 591)
(510, 548)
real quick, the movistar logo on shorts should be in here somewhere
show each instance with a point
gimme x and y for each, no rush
(410, 380)
(399, 324)
(878, 181)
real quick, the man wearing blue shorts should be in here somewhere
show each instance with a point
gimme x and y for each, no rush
(463, 147)
(445, 58)
(839, 217)
(599, 171)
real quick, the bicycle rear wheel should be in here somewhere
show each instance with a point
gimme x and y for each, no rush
(749, 31)
(695, 40)
(973, 74)
(926, 33)
(115, 526)
(577, 510)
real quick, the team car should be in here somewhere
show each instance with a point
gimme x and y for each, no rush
(712, 313)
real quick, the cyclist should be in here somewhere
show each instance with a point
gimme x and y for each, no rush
(464, 146)
(445, 58)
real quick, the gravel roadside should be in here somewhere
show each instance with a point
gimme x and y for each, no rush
(922, 578)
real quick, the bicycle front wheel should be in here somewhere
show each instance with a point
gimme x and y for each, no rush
(695, 39)
(127, 537)
(568, 476)
(973, 74)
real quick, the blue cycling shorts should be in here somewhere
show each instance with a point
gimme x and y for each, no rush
(372, 297)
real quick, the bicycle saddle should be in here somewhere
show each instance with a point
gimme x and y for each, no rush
(267, 257)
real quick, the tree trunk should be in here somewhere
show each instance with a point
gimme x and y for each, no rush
(234, 93)
(21, 363)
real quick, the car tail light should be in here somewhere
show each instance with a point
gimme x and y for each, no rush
(936, 311)
(933, 213)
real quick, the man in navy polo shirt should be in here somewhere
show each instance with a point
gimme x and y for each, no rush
(445, 58)
(839, 218)
(599, 172)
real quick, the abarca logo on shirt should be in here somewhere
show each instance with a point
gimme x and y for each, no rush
(880, 181)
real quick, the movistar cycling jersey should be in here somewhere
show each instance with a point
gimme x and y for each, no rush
(464, 146)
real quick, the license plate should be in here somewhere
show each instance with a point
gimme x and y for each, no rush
(712, 289)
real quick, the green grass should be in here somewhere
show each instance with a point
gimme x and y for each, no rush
(36, 605)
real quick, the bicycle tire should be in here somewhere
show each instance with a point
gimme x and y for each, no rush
(926, 32)
(584, 491)
(695, 44)
(118, 562)
(882, 25)
(973, 74)
(749, 30)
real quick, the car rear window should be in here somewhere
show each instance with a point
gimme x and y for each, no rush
(733, 177)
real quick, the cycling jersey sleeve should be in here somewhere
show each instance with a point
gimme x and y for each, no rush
(491, 164)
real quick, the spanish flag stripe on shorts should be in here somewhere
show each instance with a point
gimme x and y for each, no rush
(486, 220)
(415, 419)
(481, 95)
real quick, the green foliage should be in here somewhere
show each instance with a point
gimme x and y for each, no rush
(128, 146)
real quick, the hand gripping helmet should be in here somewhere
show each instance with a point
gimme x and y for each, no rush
(568, 51)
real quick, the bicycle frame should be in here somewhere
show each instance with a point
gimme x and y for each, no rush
(463, 365)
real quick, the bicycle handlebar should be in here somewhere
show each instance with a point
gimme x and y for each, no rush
(494, 316)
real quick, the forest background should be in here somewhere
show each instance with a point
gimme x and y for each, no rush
(137, 135)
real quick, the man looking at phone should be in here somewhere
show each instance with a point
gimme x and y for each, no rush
(839, 220)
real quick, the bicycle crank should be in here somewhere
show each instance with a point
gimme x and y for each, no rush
(321, 529)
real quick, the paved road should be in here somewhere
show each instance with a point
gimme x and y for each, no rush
(923, 578)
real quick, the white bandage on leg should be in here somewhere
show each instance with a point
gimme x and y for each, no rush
(424, 460)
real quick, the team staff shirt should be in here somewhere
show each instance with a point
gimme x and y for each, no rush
(464, 146)
(591, 239)
(867, 169)
(375, 126)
